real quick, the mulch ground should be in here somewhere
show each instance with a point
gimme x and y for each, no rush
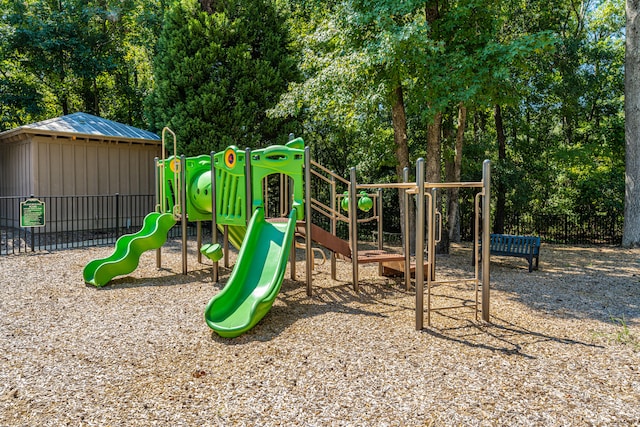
(562, 347)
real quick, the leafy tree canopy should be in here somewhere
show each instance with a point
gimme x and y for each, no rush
(216, 73)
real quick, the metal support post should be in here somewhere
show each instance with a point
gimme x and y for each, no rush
(406, 239)
(158, 205)
(431, 247)
(433, 212)
(183, 211)
(420, 217)
(307, 217)
(199, 240)
(353, 223)
(214, 223)
(380, 228)
(247, 175)
(334, 224)
(225, 244)
(486, 223)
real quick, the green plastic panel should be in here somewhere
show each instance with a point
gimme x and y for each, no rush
(198, 179)
(128, 249)
(231, 190)
(279, 159)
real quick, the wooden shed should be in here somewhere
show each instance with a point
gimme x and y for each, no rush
(77, 154)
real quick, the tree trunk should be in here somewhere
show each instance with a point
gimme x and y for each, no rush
(434, 129)
(433, 161)
(433, 172)
(206, 6)
(399, 119)
(631, 233)
(498, 223)
(90, 96)
(453, 215)
(64, 103)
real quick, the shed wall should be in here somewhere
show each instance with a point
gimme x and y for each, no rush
(64, 166)
(16, 168)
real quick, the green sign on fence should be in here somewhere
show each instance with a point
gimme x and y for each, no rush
(32, 213)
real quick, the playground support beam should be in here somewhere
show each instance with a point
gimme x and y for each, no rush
(420, 217)
(380, 231)
(431, 249)
(199, 239)
(334, 223)
(158, 205)
(249, 189)
(407, 231)
(353, 228)
(486, 223)
(307, 215)
(214, 224)
(183, 210)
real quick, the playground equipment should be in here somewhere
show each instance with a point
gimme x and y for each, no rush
(232, 190)
(262, 260)
(428, 222)
(128, 248)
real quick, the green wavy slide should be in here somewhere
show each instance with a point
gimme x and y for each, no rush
(256, 277)
(128, 249)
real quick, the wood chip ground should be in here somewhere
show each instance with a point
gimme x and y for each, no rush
(562, 347)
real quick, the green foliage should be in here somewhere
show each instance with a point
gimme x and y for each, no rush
(217, 73)
(328, 71)
(20, 100)
(354, 54)
(70, 55)
(568, 130)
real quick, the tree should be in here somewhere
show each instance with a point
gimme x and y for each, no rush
(631, 234)
(474, 67)
(219, 68)
(69, 55)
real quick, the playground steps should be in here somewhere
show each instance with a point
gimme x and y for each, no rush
(365, 257)
(396, 269)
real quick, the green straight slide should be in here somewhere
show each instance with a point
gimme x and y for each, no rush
(256, 278)
(126, 256)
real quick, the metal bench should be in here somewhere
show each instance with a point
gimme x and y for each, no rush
(527, 247)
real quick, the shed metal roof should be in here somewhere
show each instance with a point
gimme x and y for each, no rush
(86, 124)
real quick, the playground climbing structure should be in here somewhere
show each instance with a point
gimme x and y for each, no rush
(233, 190)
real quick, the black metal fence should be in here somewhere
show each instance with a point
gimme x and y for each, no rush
(75, 221)
(598, 228)
(85, 221)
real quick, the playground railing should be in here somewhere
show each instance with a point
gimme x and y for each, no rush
(75, 221)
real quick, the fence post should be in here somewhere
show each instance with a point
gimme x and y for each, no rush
(33, 240)
(117, 215)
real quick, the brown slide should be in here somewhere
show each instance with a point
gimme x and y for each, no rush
(341, 247)
(326, 239)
